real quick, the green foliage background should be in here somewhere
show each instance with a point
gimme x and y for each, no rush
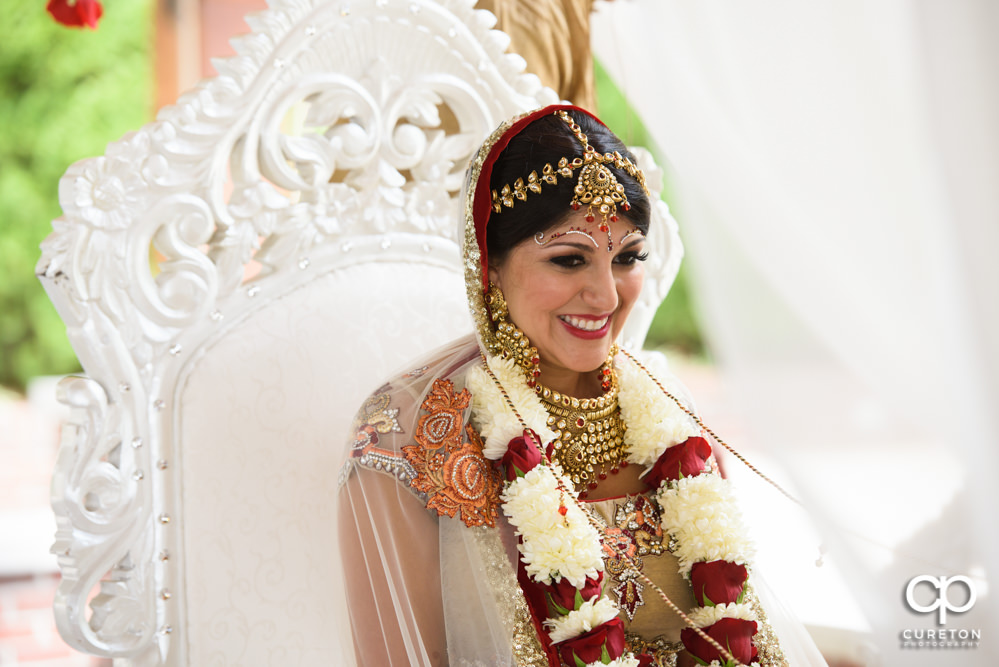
(675, 325)
(64, 94)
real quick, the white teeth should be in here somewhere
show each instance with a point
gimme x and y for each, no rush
(585, 325)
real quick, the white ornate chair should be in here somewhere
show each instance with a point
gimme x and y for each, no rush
(226, 274)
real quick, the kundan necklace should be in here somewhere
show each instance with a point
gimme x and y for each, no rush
(589, 432)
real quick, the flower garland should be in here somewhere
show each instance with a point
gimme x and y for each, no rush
(561, 550)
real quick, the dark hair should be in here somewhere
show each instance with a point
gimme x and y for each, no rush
(545, 141)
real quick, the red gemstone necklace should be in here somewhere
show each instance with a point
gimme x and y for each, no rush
(589, 432)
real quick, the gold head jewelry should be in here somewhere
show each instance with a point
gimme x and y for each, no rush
(596, 185)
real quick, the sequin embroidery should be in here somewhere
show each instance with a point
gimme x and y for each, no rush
(450, 468)
(375, 417)
(637, 532)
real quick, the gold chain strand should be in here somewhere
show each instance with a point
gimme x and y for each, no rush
(593, 522)
(709, 431)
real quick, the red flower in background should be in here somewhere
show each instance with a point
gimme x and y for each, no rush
(76, 13)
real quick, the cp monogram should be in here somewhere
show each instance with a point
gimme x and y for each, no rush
(942, 584)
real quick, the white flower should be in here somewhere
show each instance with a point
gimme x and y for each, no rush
(553, 545)
(491, 414)
(701, 513)
(703, 617)
(626, 660)
(654, 421)
(589, 615)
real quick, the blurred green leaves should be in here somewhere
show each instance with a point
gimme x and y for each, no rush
(64, 94)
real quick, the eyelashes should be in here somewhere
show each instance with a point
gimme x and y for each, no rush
(625, 258)
(632, 257)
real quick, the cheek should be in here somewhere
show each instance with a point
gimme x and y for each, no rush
(630, 286)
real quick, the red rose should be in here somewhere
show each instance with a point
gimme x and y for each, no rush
(717, 582)
(522, 454)
(563, 594)
(590, 647)
(76, 14)
(687, 459)
(735, 634)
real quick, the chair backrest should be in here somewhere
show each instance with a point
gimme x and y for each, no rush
(226, 274)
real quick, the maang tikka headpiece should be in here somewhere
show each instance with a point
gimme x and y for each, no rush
(596, 185)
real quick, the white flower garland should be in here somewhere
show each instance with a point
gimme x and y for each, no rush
(702, 617)
(699, 512)
(626, 660)
(588, 616)
(491, 414)
(653, 423)
(553, 546)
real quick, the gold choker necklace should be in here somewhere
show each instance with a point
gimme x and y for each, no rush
(589, 435)
(589, 432)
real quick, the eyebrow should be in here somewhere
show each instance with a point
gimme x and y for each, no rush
(633, 242)
(539, 238)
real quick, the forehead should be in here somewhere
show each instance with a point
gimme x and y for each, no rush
(576, 221)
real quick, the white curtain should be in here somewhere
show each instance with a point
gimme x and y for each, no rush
(835, 167)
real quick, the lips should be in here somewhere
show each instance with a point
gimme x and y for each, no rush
(585, 323)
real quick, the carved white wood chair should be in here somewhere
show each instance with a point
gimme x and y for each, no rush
(226, 274)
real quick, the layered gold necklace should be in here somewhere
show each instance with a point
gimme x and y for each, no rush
(589, 434)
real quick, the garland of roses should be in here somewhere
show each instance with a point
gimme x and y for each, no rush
(560, 547)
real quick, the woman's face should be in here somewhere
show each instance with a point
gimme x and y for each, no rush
(570, 295)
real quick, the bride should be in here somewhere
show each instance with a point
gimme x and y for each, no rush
(533, 495)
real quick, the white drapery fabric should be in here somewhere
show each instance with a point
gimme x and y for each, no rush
(835, 169)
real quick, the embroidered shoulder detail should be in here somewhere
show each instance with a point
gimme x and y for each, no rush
(376, 417)
(450, 468)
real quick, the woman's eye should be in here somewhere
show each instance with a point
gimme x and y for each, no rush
(568, 261)
(628, 258)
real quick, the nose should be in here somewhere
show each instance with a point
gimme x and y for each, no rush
(600, 290)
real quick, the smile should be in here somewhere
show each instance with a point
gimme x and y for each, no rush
(585, 324)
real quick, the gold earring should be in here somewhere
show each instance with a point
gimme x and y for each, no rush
(512, 342)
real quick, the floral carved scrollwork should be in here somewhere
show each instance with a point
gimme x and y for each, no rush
(101, 505)
(335, 120)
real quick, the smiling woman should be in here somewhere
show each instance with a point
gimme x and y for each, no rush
(535, 496)
(568, 292)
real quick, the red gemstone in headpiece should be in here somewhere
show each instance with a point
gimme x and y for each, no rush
(575, 206)
(589, 218)
(626, 206)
